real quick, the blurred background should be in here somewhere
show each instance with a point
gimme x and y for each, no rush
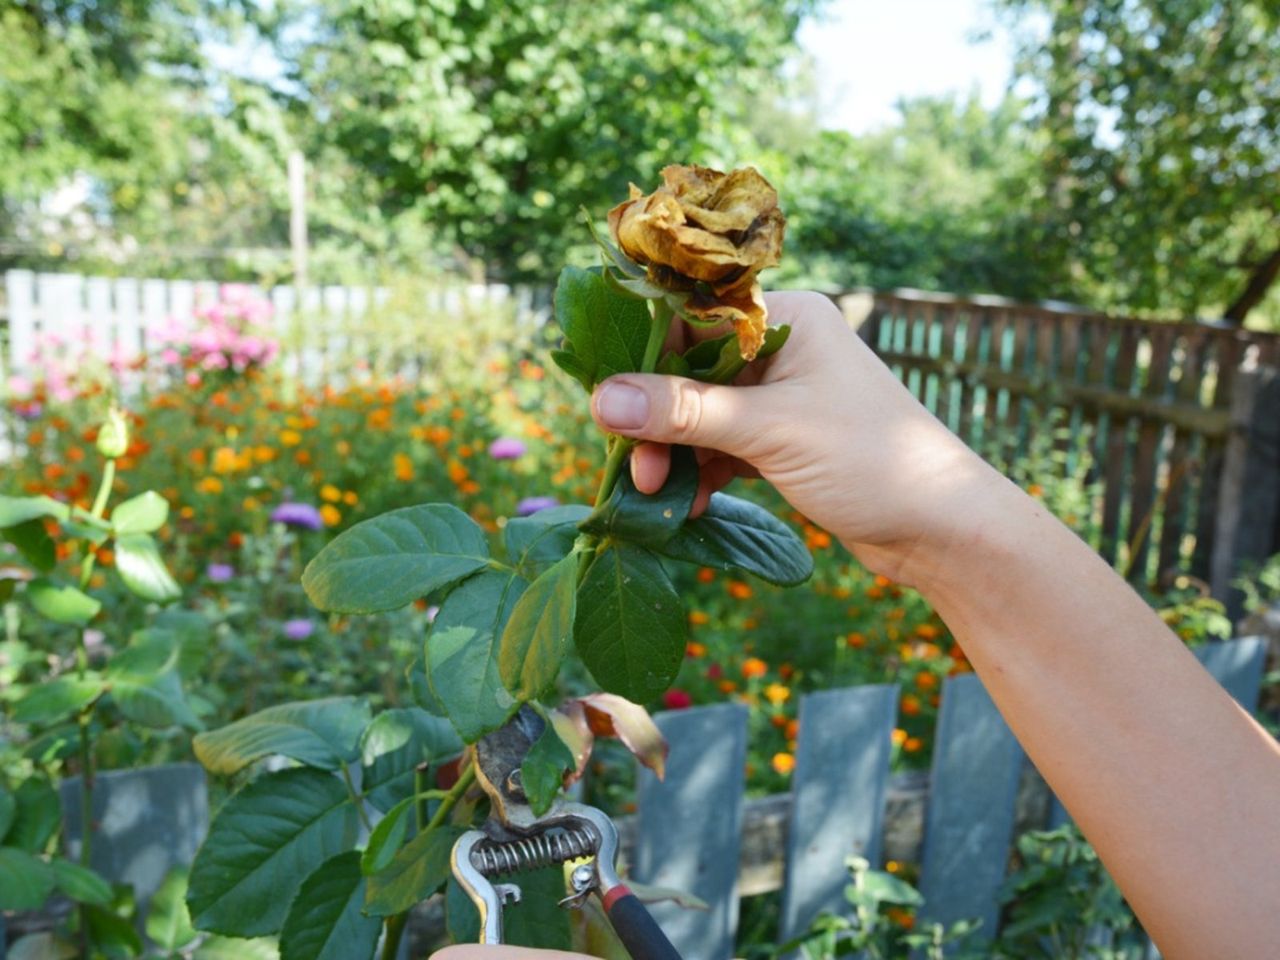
(1118, 155)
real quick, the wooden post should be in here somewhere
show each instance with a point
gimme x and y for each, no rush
(1248, 516)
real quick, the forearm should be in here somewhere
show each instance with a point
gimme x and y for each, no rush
(1175, 785)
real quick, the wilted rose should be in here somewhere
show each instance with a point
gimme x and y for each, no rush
(709, 234)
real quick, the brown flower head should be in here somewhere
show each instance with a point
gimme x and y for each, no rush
(709, 234)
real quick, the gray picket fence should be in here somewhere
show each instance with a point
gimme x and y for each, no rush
(689, 833)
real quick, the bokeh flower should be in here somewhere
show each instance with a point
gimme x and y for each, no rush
(531, 505)
(299, 628)
(302, 515)
(677, 699)
(507, 448)
(219, 572)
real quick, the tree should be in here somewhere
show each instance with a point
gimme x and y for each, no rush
(495, 122)
(1162, 169)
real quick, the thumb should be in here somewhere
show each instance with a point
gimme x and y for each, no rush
(675, 410)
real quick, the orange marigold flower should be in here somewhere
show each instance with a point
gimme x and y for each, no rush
(913, 745)
(235, 539)
(754, 667)
(290, 438)
(842, 593)
(330, 515)
(778, 720)
(818, 540)
(186, 513)
(856, 640)
(469, 487)
(927, 631)
(695, 650)
(777, 694)
(457, 413)
(901, 917)
(457, 472)
(727, 686)
(706, 575)
(1035, 490)
(330, 493)
(699, 618)
(793, 729)
(303, 457)
(209, 485)
(251, 504)
(739, 590)
(350, 498)
(224, 460)
(883, 581)
(899, 737)
(105, 556)
(465, 450)
(750, 623)
(784, 763)
(926, 680)
(403, 467)
(263, 453)
(875, 593)
(910, 705)
(786, 671)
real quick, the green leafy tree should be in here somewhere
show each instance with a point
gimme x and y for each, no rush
(496, 122)
(1162, 168)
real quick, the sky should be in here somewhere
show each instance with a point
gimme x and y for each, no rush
(869, 53)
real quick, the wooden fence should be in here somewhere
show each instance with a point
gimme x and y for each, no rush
(1181, 420)
(695, 832)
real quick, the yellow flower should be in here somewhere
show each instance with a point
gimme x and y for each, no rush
(350, 498)
(776, 693)
(330, 515)
(784, 763)
(403, 467)
(264, 454)
(209, 485)
(290, 438)
(224, 460)
(330, 493)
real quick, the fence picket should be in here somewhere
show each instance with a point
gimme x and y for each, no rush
(969, 823)
(689, 825)
(837, 796)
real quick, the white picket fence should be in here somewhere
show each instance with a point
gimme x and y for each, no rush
(322, 330)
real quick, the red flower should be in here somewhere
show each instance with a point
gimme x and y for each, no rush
(676, 699)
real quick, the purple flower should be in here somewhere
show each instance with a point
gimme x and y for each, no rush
(299, 629)
(219, 572)
(533, 504)
(298, 515)
(507, 448)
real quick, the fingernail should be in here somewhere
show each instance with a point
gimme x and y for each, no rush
(622, 406)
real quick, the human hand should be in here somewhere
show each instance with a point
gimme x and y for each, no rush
(827, 424)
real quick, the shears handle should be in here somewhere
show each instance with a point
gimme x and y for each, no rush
(635, 926)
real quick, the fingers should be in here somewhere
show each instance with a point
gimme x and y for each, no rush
(676, 410)
(650, 463)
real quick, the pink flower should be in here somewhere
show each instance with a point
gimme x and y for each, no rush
(677, 699)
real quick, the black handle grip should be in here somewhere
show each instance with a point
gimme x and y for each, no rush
(637, 930)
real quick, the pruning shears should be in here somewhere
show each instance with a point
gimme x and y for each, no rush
(514, 840)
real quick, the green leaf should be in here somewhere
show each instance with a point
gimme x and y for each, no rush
(389, 561)
(735, 534)
(634, 286)
(319, 733)
(145, 513)
(79, 883)
(418, 870)
(542, 773)
(629, 627)
(720, 360)
(536, 637)
(168, 920)
(61, 603)
(325, 921)
(143, 571)
(673, 365)
(234, 948)
(145, 683)
(25, 880)
(261, 845)
(16, 510)
(58, 698)
(387, 835)
(536, 921)
(34, 544)
(42, 946)
(648, 519)
(568, 361)
(607, 330)
(462, 653)
(420, 689)
(8, 810)
(38, 811)
(393, 746)
(113, 935)
(535, 542)
(83, 525)
(612, 255)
